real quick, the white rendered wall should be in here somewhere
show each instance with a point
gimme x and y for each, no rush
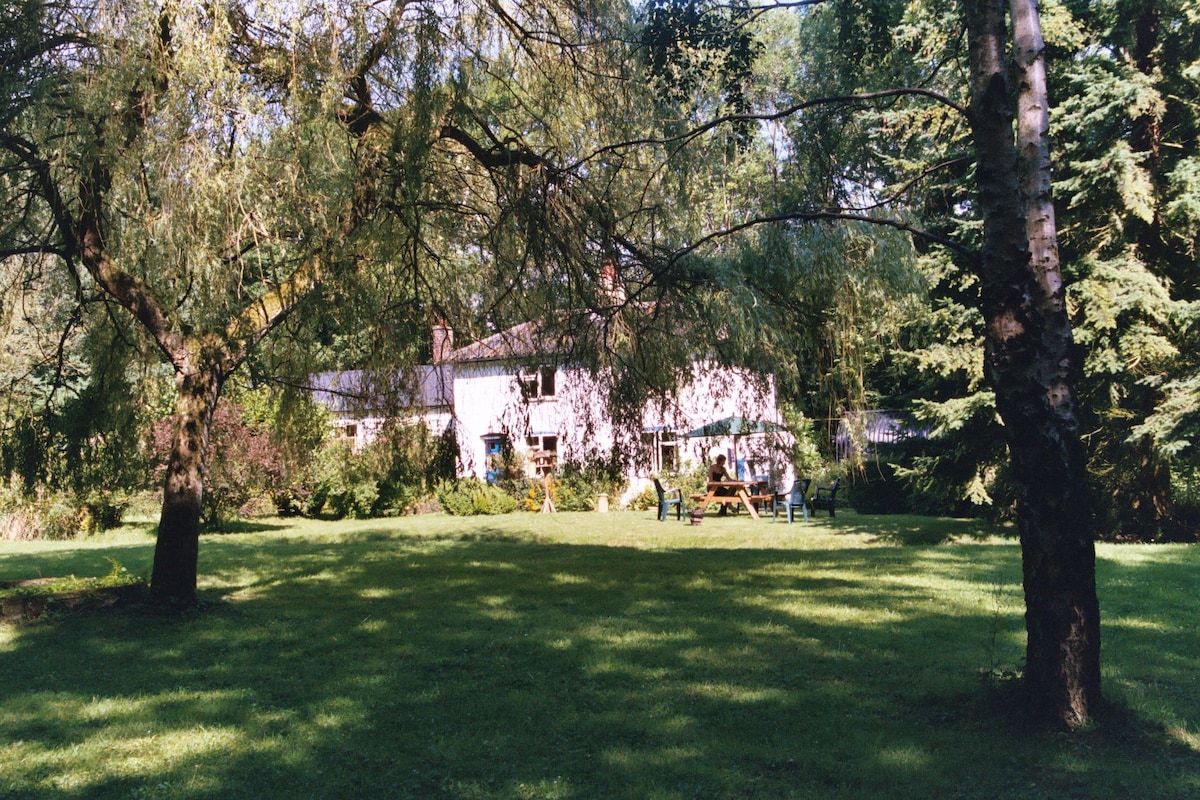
(488, 401)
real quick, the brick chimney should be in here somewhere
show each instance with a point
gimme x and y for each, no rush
(443, 341)
(613, 290)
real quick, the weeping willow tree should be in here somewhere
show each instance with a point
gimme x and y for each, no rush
(165, 157)
(211, 170)
(338, 172)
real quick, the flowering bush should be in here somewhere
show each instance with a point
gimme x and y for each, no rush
(243, 462)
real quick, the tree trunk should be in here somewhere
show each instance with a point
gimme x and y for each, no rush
(176, 552)
(1145, 509)
(1031, 365)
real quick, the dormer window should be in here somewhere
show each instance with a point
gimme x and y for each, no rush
(537, 382)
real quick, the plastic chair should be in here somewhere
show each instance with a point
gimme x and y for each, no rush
(668, 496)
(793, 500)
(823, 498)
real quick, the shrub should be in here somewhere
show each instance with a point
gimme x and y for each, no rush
(575, 493)
(493, 501)
(577, 485)
(535, 496)
(644, 500)
(40, 514)
(455, 499)
(19, 525)
(392, 475)
(242, 463)
(470, 496)
(358, 500)
(105, 508)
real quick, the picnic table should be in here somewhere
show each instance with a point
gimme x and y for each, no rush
(743, 494)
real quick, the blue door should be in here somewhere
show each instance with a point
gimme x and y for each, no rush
(493, 448)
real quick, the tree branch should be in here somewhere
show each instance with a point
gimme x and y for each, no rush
(826, 214)
(774, 116)
(497, 156)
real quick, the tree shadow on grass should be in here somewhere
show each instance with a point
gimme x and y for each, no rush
(912, 531)
(235, 526)
(484, 667)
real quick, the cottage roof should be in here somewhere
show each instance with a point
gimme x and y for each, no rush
(527, 340)
(425, 386)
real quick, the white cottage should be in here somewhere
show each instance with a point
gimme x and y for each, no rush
(513, 391)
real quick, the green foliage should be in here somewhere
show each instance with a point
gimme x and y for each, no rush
(394, 474)
(805, 456)
(73, 414)
(865, 28)
(814, 306)
(697, 46)
(535, 495)
(576, 486)
(644, 500)
(118, 576)
(1127, 147)
(39, 513)
(242, 463)
(469, 497)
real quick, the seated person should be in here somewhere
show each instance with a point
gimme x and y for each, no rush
(717, 472)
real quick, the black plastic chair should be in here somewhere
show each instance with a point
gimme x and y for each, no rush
(823, 498)
(668, 496)
(794, 499)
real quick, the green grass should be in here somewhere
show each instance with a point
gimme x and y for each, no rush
(590, 656)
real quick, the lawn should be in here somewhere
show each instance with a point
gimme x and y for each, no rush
(590, 656)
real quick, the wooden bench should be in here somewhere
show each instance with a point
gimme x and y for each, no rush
(763, 499)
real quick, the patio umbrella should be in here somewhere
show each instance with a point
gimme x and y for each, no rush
(735, 427)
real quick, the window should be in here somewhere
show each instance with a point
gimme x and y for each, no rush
(546, 442)
(659, 451)
(668, 457)
(538, 382)
(547, 375)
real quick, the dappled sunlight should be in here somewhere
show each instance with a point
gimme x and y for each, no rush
(493, 565)
(370, 626)
(906, 757)
(137, 742)
(831, 614)
(632, 639)
(1185, 736)
(382, 593)
(637, 760)
(736, 693)
(146, 756)
(463, 665)
(1139, 624)
(338, 713)
(567, 579)
(539, 789)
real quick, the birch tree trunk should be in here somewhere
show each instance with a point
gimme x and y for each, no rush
(1031, 364)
